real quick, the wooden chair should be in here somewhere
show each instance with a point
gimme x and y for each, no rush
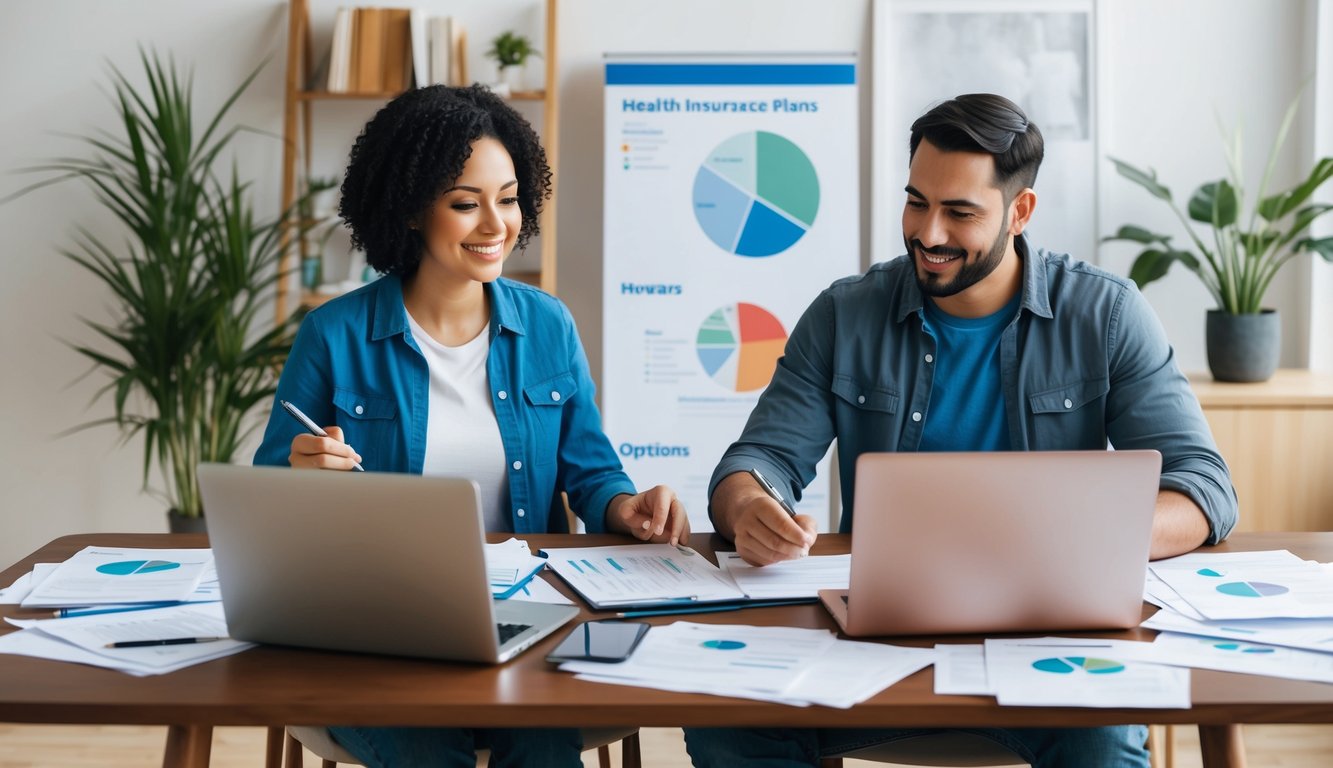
(959, 750)
(318, 740)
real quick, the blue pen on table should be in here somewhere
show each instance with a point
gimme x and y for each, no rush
(69, 613)
(311, 426)
(646, 612)
(771, 491)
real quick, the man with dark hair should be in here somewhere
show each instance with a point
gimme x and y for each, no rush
(972, 341)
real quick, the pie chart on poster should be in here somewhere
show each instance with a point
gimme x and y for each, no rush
(739, 346)
(756, 194)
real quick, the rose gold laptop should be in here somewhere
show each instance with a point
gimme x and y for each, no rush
(998, 542)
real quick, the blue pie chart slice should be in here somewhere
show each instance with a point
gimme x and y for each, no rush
(1251, 589)
(756, 194)
(723, 645)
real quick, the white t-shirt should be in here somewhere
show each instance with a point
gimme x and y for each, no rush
(462, 435)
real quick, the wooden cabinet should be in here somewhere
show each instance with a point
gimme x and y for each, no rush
(299, 119)
(1277, 437)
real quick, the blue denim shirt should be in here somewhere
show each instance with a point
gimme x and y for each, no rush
(1084, 364)
(354, 364)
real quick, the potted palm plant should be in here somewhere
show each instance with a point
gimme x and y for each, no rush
(1236, 252)
(188, 360)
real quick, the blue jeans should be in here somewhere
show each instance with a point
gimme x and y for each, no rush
(1118, 746)
(412, 747)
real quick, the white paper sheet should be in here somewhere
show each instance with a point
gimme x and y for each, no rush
(1230, 655)
(1068, 672)
(89, 635)
(785, 665)
(791, 579)
(508, 563)
(961, 670)
(717, 658)
(537, 590)
(1223, 591)
(641, 574)
(102, 575)
(15, 593)
(1309, 634)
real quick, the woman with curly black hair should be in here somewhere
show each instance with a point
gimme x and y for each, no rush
(444, 367)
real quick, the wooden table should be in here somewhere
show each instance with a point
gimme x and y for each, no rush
(274, 686)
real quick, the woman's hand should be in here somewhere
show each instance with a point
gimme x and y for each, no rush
(314, 452)
(655, 515)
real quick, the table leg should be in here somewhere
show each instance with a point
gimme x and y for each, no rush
(1221, 746)
(188, 746)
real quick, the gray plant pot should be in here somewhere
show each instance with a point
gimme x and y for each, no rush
(176, 523)
(1243, 348)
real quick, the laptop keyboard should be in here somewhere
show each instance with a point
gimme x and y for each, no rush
(509, 631)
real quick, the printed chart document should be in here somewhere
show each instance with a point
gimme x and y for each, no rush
(509, 565)
(102, 575)
(791, 579)
(1068, 672)
(538, 590)
(642, 575)
(84, 639)
(15, 593)
(786, 665)
(1224, 591)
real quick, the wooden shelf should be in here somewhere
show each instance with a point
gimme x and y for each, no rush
(537, 95)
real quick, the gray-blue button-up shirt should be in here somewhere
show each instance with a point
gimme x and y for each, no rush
(1084, 364)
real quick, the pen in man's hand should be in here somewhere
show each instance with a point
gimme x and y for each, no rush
(771, 491)
(168, 641)
(311, 426)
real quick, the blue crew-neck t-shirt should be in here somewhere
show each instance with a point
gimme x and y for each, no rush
(966, 411)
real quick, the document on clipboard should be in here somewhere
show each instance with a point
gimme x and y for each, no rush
(642, 575)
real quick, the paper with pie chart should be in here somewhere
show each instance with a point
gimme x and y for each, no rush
(1292, 590)
(1079, 672)
(112, 575)
(756, 194)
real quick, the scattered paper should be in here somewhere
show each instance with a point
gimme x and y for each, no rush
(961, 670)
(1229, 655)
(508, 564)
(16, 593)
(84, 639)
(1068, 672)
(1225, 591)
(537, 590)
(790, 579)
(103, 575)
(1309, 634)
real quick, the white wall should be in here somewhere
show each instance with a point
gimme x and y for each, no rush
(1172, 64)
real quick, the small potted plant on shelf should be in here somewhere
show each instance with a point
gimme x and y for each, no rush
(511, 52)
(188, 361)
(1235, 251)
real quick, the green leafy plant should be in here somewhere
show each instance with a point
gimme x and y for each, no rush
(511, 50)
(188, 358)
(1238, 253)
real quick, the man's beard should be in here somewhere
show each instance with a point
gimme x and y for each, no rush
(969, 274)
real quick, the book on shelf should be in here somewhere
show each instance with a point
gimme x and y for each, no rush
(370, 52)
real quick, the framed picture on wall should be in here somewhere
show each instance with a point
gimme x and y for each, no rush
(1039, 53)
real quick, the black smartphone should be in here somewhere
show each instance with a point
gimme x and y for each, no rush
(606, 641)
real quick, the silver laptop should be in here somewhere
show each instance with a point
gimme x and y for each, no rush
(998, 542)
(371, 562)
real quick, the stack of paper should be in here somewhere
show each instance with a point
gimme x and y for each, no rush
(84, 640)
(510, 566)
(100, 576)
(1062, 672)
(779, 664)
(1264, 613)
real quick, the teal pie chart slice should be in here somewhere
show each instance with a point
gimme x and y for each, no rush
(132, 567)
(1067, 664)
(723, 645)
(1251, 589)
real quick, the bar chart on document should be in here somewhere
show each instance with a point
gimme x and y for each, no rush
(730, 196)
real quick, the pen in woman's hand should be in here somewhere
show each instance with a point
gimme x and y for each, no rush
(311, 426)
